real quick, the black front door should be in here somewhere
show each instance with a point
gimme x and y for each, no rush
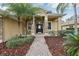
(39, 28)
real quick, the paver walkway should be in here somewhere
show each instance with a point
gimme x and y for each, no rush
(39, 47)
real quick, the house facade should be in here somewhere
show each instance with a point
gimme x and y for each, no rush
(40, 23)
(43, 23)
(9, 28)
(70, 23)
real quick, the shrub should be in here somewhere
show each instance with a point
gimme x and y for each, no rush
(52, 33)
(29, 39)
(16, 42)
(69, 31)
(72, 44)
(61, 33)
(28, 32)
(65, 32)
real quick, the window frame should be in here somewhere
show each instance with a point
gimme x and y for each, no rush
(50, 25)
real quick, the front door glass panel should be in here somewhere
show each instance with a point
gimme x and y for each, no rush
(39, 28)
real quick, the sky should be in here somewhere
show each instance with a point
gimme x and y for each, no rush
(52, 7)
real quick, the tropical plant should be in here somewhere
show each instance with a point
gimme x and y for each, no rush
(63, 33)
(72, 44)
(23, 11)
(61, 9)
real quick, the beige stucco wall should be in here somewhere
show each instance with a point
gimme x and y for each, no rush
(64, 27)
(55, 25)
(59, 24)
(11, 28)
(69, 22)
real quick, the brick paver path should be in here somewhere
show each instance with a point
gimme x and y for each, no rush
(39, 47)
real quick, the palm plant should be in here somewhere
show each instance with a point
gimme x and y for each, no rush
(22, 11)
(61, 9)
(72, 44)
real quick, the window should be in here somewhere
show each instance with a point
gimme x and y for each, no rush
(49, 25)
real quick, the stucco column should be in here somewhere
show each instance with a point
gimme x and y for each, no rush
(46, 24)
(33, 26)
(58, 25)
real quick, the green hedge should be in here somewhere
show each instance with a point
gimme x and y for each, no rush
(65, 32)
(16, 42)
(29, 40)
(52, 33)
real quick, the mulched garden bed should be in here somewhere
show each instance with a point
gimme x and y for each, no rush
(20, 51)
(55, 45)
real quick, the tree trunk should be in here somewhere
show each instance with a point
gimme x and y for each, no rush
(75, 18)
(26, 26)
(19, 25)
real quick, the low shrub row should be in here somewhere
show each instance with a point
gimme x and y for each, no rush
(18, 41)
(52, 33)
(65, 32)
(61, 33)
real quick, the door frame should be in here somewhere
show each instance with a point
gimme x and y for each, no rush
(38, 30)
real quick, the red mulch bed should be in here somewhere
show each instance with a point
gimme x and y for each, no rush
(20, 51)
(55, 45)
